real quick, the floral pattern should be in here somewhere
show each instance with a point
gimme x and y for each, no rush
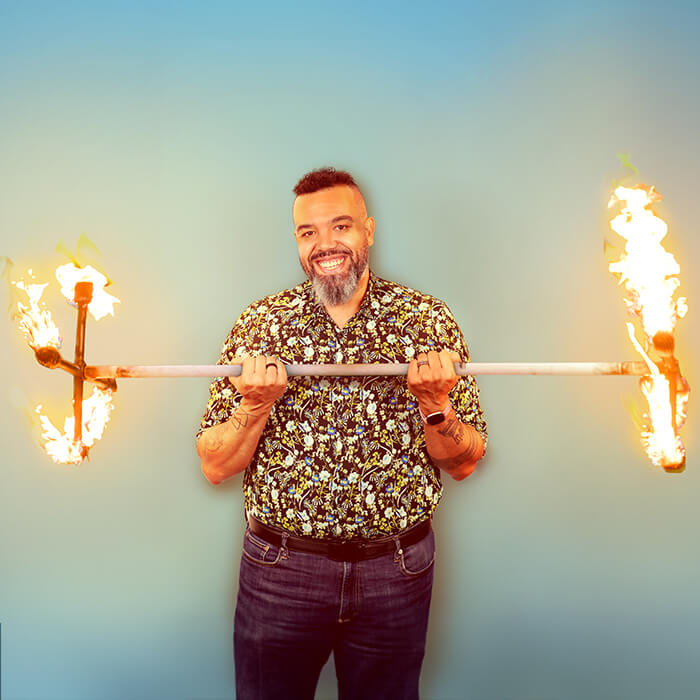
(343, 457)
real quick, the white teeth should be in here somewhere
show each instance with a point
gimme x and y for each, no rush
(332, 264)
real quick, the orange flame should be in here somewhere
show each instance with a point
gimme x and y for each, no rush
(647, 270)
(35, 320)
(102, 303)
(659, 438)
(650, 275)
(37, 324)
(60, 446)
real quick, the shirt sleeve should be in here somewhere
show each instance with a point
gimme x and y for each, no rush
(223, 397)
(465, 394)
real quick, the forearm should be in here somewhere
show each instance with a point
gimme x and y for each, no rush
(226, 449)
(453, 446)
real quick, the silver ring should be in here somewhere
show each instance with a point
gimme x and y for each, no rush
(423, 362)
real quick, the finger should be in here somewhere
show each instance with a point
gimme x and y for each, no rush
(448, 368)
(247, 368)
(271, 369)
(236, 380)
(258, 370)
(439, 362)
(434, 362)
(281, 373)
(455, 357)
(422, 361)
(280, 378)
(412, 376)
(243, 381)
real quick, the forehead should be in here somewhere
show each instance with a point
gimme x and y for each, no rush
(327, 203)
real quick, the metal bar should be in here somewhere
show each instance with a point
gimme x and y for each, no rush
(365, 370)
(82, 297)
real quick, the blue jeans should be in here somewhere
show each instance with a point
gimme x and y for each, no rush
(295, 608)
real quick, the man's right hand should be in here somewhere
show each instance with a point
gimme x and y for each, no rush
(263, 380)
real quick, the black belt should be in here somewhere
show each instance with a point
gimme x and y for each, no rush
(340, 550)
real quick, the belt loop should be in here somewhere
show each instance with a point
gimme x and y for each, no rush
(398, 552)
(283, 547)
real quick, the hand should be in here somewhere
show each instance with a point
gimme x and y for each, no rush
(263, 380)
(431, 383)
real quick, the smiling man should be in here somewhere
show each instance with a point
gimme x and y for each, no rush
(341, 475)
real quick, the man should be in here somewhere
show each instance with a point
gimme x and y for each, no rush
(342, 475)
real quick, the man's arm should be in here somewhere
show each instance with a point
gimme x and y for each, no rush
(226, 449)
(453, 446)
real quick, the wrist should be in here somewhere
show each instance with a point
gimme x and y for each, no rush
(435, 416)
(255, 408)
(432, 404)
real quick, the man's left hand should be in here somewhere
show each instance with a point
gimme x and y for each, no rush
(431, 378)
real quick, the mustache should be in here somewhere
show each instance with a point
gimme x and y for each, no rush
(330, 253)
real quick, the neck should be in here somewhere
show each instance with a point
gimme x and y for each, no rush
(342, 313)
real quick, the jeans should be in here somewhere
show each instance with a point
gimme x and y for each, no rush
(295, 608)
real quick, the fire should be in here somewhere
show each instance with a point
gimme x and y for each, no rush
(102, 303)
(35, 320)
(37, 324)
(647, 270)
(659, 437)
(650, 275)
(60, 446)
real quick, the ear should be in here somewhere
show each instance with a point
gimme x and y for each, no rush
(369, 230)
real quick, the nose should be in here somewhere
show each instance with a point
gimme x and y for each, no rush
(326, 239)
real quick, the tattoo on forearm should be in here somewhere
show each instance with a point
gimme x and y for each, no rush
(469, 454)
(453, 429)
(240, 419)
(448, 463)
(214, 443)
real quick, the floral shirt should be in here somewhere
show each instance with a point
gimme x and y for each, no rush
(343, 457)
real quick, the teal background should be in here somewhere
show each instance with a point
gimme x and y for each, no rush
(484, 137)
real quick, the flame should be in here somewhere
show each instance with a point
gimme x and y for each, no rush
(650, 275)
(36, 323)
(647, 270)
(659, 437)
(102, 303)
(35, 320)
(60, 446)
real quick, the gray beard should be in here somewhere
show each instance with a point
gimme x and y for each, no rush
(335, 290)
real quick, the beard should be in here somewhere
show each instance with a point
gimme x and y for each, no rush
(336, 289)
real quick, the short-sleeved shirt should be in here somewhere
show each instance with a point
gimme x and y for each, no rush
(343, 457)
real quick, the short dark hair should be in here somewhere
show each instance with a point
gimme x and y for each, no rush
(323, 178)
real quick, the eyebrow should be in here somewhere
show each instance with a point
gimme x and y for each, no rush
(344, 217)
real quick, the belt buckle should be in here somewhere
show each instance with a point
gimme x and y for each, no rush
(347, 550)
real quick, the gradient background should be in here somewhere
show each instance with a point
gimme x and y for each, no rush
(485, 140)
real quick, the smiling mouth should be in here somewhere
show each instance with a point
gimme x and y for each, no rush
(331, 263)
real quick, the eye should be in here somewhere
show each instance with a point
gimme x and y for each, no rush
(342, 227)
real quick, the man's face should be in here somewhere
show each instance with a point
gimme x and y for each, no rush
(333, 234)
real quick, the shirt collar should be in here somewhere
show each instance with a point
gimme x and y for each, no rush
(365, 309)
